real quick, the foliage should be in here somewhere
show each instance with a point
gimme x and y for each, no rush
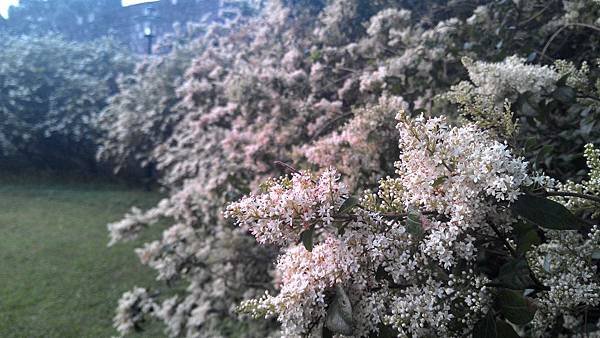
(140, 116)
(51, 92)
(445, 238)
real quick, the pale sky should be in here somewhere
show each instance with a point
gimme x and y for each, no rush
(133, 2)
(4, 4)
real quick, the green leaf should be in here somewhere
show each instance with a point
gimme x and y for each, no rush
(526, 105)
(515, 275)
(563, 80)
(565, 94)
(527, 236)
(413, 223)
(486, 327)
(531, 57)
(339, 314)
(545, 213)
(307, 237)
(526, 241)
(439, 181)
(326, 333)
(385, 331)
(505, 330)
(348, 204)
(517, 309)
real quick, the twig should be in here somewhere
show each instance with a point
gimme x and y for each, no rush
(535, 16)
(576, 24)
(502, 237)
(329, 124)
(573, 194)
(287, 166)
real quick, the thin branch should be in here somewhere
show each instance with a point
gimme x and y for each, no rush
(558, 31)
(535, 16)
(329, 125)
(287, 166)
(502, 237)
(573, 194)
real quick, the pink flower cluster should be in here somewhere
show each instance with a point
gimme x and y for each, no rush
(306, 278)
(290, 206)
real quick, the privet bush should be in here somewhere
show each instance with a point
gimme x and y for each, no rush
(434, 173)
(52, 90)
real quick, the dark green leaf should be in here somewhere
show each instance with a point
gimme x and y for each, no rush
(585, 111)
(486, 327)
(527, 105)
(545, 213)
(438, 181)
(515, 275)
(527, 236)
(563, 80)
(517, 309)
(413, 223)
(339, 314)
(385, 331)
(505, 330)
(531, 57)
(526, 241)
(565, 94)
(348, 204)
(307, 238)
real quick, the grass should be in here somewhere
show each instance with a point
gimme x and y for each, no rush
(58, 278)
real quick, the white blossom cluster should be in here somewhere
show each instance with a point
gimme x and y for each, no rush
(305, 277)
(566, 264)
(133, 305)
(289, 207)
(590, 186)
(421, 295)
(459, 172)
(431, 307)
(500, 79)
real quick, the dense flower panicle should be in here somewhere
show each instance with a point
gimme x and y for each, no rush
(564, 264)
(441, 165)
(305, 277)
(478, 174)
(431, 308)
(460, 172)
(130, 226)
(510, 75)
(133, 305)
(290, 206)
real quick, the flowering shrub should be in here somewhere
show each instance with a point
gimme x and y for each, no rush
(554, 105)
(415, 248)
(141, 116)
(51, 92)
(450, 223)
(433, 222)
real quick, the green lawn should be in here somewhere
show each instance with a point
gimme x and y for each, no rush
(58, 278)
